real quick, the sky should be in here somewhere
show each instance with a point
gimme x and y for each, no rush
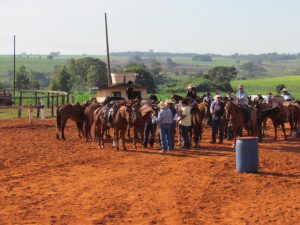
(198, 26)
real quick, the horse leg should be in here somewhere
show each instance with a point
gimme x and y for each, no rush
(275, 130)
(63, 125)
(134, 136)
(116, 139)
(123, 133)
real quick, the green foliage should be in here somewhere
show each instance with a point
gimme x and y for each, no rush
(62, 81)
(86, 67)
(144, 78)
(251, 70)
(279, 88)
(22, 78)
(221, 74)
(170, 63)
(204, 58)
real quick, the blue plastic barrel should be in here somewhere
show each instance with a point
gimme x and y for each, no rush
(247, 155)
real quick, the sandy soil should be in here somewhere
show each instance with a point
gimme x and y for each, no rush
(45, 181)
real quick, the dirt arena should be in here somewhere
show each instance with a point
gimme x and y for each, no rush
(45, 181)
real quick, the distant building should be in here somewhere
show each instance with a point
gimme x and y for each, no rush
(119, 86)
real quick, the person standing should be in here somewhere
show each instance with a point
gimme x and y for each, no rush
(269, 98)
(170, 105)
(165, 120)
(150, 128)
(129, 91)
(217, 111)
(185, 123)
(207, 97)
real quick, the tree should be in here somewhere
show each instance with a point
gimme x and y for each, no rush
(221, 74)
(170, 63)
(22, 78)
(80, 68)
(279, 88)
(204, 58)
(144, 78)
(93, 78)
(250, 69)
(62, 80)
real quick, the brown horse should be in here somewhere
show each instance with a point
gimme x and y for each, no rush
(177, 98)
(121, 117)
(89, 119)
(197, 116)
(237, 118)
(293, 116)
(140, 115)
(278, 118)
(66, 112)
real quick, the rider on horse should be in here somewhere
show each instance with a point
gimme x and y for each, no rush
(191, 92)
(242, 98)
(286, 96)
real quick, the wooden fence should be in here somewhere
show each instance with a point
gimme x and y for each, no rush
(51, 100)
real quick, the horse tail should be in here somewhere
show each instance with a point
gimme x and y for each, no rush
(58, 122)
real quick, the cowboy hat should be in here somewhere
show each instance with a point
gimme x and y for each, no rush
(169, 101)
(190, 86)
(217, 96)
(162, 105)
(241, 86)
(284, 89)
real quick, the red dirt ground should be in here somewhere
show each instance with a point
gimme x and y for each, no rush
(45, 181)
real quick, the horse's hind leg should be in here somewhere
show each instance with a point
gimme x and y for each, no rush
(123, 140)
(63, 131)
(116, 139)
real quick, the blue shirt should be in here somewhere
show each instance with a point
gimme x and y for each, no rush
(165, 116)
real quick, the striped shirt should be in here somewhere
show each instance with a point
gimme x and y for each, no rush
(165, 116)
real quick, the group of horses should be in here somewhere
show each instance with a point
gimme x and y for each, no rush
(94, 120)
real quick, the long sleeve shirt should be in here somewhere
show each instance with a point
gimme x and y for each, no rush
(165, 116)
(242, 97)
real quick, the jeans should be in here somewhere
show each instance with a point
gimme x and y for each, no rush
(173, 130)
(185, 135)
(149, 129)
(165, 136)
(217, 128)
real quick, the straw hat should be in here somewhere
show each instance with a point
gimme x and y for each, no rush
(162, 105)
(241, 86)
(217, 96)
(284, 89)
(190, 86)
(169, 101)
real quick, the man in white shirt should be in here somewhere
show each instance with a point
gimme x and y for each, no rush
(185, 123)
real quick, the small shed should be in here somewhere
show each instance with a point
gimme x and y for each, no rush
(119, 86)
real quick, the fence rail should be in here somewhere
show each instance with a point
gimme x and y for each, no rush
(52, 98)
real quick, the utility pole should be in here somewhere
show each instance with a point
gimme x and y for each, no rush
(14, 67)
(107, 52)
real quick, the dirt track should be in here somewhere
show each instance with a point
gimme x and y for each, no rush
(44, 181)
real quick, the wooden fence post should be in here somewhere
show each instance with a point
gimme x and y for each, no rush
(48, 100)
(38, 108)
(56, 99)
(20, 106)
(62, 99)
(52, 105)
(35, 97)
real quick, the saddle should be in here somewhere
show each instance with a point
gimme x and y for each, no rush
(109, 112)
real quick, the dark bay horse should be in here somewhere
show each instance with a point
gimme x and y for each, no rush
(237, 118)
(140, 115)
(121, 117)
(66, 112)
(278, 118)
(89, 119)
(293, 117)
(197, 116)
